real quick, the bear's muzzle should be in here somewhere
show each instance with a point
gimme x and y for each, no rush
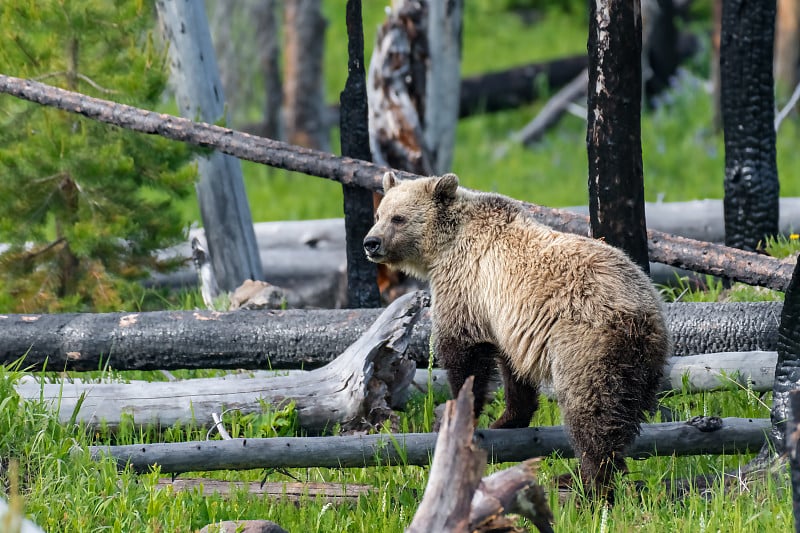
(374, 247)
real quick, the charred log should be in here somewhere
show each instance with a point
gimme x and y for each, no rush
(170, 340)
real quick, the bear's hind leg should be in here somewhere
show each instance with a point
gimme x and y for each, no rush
(602, 411)
(462, 360)
(522, 400)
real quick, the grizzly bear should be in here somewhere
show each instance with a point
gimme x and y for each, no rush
(547, 307)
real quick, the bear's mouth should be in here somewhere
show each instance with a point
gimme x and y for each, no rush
(376, 257)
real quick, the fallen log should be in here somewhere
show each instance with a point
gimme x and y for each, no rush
(448, 504)
(335, 493)
(355, 390)
(195, 400)
(735, 435)
(170, 340)
(514, 87)
(737, 265)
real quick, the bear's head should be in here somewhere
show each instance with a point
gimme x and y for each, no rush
(411, 222)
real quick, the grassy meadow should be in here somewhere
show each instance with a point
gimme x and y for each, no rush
(45, 465)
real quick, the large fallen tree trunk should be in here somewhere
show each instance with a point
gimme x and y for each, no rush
(737, 265)
(170, 340)
(735, 435)
(193, 400)
(356, 390)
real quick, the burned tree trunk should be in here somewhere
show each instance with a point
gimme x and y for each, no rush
(793, 451)
(266, 15)
(220, 191)
(613, 139)
(787, 371)
(748, 113)
(362, 283)
(303, 90)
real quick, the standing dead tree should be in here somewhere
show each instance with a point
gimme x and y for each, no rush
(748, 120)
(362, 282)
(737, 265)
(220, 191)
(303, 90)
(413, 86)
(613, 137)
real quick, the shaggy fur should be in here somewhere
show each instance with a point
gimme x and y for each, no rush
(546, 306)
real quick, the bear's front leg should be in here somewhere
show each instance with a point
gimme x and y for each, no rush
(462, 359)
(522, 400)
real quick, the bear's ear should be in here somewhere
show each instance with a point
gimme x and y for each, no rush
(389, 181)
(446, 187)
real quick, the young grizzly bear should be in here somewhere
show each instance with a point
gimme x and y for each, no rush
(546, 306)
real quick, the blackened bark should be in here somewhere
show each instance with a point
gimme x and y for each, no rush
(613, 138)
(362, 282)
(793, 451)
(171, 340)
(512, 88)
(748, 113)
(787, 371)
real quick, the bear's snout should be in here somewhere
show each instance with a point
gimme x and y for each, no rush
(372, 245)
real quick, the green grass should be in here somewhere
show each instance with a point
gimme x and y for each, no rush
(64, 490)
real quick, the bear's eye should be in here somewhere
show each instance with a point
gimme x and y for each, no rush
(398, 219)
(377, 217)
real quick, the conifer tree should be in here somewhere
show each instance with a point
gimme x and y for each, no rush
(83, 206)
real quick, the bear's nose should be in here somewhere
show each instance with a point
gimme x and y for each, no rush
(372, 244)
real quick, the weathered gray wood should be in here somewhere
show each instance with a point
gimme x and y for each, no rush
(220, 190)
(169, 340)
(512, 491)
(736, 435)
(552, 111)
(701, 372)
(457, 499)
(355, 389)
(196, 399)
(443, 82)
(292, 491)
(455, 472)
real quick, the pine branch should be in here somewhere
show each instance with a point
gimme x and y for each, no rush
(737, 265)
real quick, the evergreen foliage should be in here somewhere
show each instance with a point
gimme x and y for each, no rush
(83, 206)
